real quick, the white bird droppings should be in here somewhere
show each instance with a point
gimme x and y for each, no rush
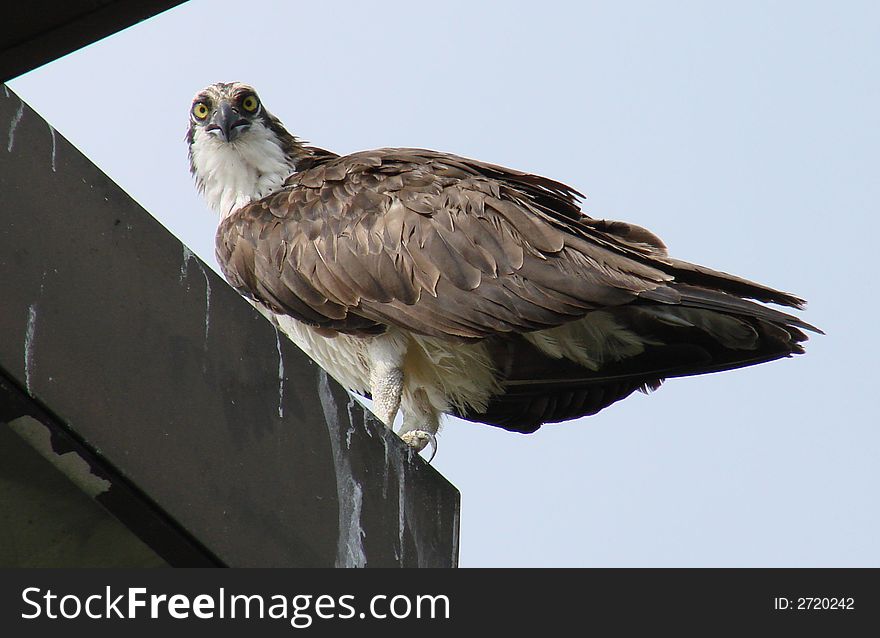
(52, 133)
(184, 266)
(13, 125)
(280, 372)
(184, 271)
(29, 346)
(350, 545)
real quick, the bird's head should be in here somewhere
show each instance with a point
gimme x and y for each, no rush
(226, 111)
(238, 151)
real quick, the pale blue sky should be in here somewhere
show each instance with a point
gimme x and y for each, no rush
(745, 134)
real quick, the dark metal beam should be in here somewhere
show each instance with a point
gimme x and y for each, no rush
(38, 31)
(21, 415)
(139, 358)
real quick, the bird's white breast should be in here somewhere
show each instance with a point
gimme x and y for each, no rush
(233, 174)
(459, 375)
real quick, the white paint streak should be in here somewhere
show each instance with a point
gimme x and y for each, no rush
(29, 346)
(348, 436)
(356, 413)
(455, 532)
(349, 546)
(401, 503)
(184, 267)
(12, 126)
(280, 372)
(385, 473)
(394, 464)
(52, 133)
(184, 272)
(207, 301)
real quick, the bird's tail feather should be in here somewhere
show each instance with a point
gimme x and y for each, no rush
(543, 385)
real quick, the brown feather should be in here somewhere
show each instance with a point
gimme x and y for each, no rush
(391, 225)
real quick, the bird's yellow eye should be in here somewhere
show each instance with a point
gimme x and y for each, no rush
(250, 103)
(200, 111)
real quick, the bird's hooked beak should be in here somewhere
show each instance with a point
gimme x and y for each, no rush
(227, 123)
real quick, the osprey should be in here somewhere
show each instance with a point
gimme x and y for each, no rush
(435, 284)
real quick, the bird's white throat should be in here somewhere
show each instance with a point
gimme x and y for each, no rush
(231, 174)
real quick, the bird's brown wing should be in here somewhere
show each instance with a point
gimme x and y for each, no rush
(448, 247)
(454, 248)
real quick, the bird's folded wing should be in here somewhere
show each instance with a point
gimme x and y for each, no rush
(447, 247)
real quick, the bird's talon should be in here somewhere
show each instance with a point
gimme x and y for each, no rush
(419, 439)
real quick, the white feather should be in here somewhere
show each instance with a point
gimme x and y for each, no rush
(592, 341)
(231, 174)
(438, 376)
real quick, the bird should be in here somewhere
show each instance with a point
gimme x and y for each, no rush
(436, 285)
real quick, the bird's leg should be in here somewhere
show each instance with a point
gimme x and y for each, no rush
(386, 375)
(421, 420)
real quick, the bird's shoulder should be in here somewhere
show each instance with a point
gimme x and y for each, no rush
(428, 181)
(422, 173)
(400, 195)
